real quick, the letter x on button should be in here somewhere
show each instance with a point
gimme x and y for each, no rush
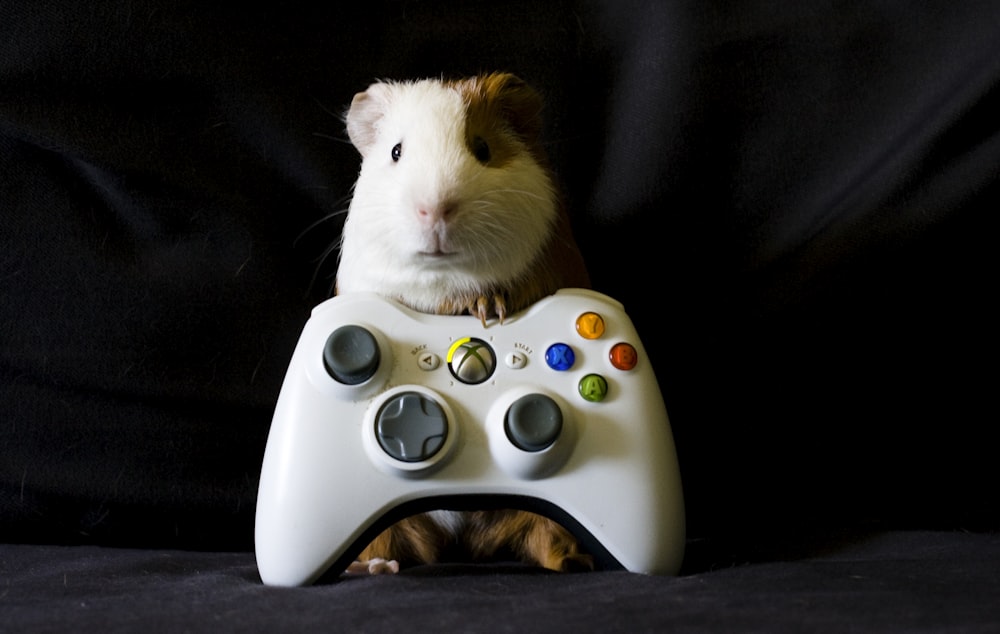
(560, 357)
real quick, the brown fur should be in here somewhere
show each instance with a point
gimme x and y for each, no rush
(531, 538)
(505, 112)
(416, 539)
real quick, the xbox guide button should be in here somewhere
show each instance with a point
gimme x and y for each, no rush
(471, 360)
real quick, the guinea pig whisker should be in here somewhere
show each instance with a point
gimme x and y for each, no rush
(323, 219)
(520, 192)
(321, 261)
(330, 137)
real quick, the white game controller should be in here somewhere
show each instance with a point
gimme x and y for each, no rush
(386, 412)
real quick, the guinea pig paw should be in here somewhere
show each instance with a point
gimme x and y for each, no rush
(577, 562)
(377, 566)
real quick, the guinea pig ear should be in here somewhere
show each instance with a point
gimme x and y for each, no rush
(367, 110)
(520, 104)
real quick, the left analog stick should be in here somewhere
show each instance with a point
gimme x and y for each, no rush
(351, 355)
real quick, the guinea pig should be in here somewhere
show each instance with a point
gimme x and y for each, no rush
(455, 211)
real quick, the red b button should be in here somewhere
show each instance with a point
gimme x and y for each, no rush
(623, 356)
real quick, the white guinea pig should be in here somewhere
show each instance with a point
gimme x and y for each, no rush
(454, 209)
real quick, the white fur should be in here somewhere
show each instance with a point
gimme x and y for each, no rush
(452, 522)
(500, 217)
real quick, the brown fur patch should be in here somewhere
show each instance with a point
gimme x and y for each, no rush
(533, 539)
(504, 112)
(413, 540)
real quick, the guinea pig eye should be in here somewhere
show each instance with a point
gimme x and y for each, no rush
(397, 151)
(481, 149)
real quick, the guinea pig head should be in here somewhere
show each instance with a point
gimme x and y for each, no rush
(453, 192)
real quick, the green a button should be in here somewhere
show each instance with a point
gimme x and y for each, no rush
(593, 388)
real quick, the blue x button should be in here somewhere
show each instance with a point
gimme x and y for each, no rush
(560, 357)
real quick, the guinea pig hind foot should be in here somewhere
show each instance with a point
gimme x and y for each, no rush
(377, 566)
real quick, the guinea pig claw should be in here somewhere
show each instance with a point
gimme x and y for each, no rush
(501, 308)
(479, 309)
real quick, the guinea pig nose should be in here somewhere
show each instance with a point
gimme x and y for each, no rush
(430, 214)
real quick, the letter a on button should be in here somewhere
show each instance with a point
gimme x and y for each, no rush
(593, 388)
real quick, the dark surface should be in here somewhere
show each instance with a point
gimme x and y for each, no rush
(794, 201)
(927, 582)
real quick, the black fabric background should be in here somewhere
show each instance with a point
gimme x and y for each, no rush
(792, 200)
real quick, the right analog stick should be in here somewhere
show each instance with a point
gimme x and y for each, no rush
(533, 422)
